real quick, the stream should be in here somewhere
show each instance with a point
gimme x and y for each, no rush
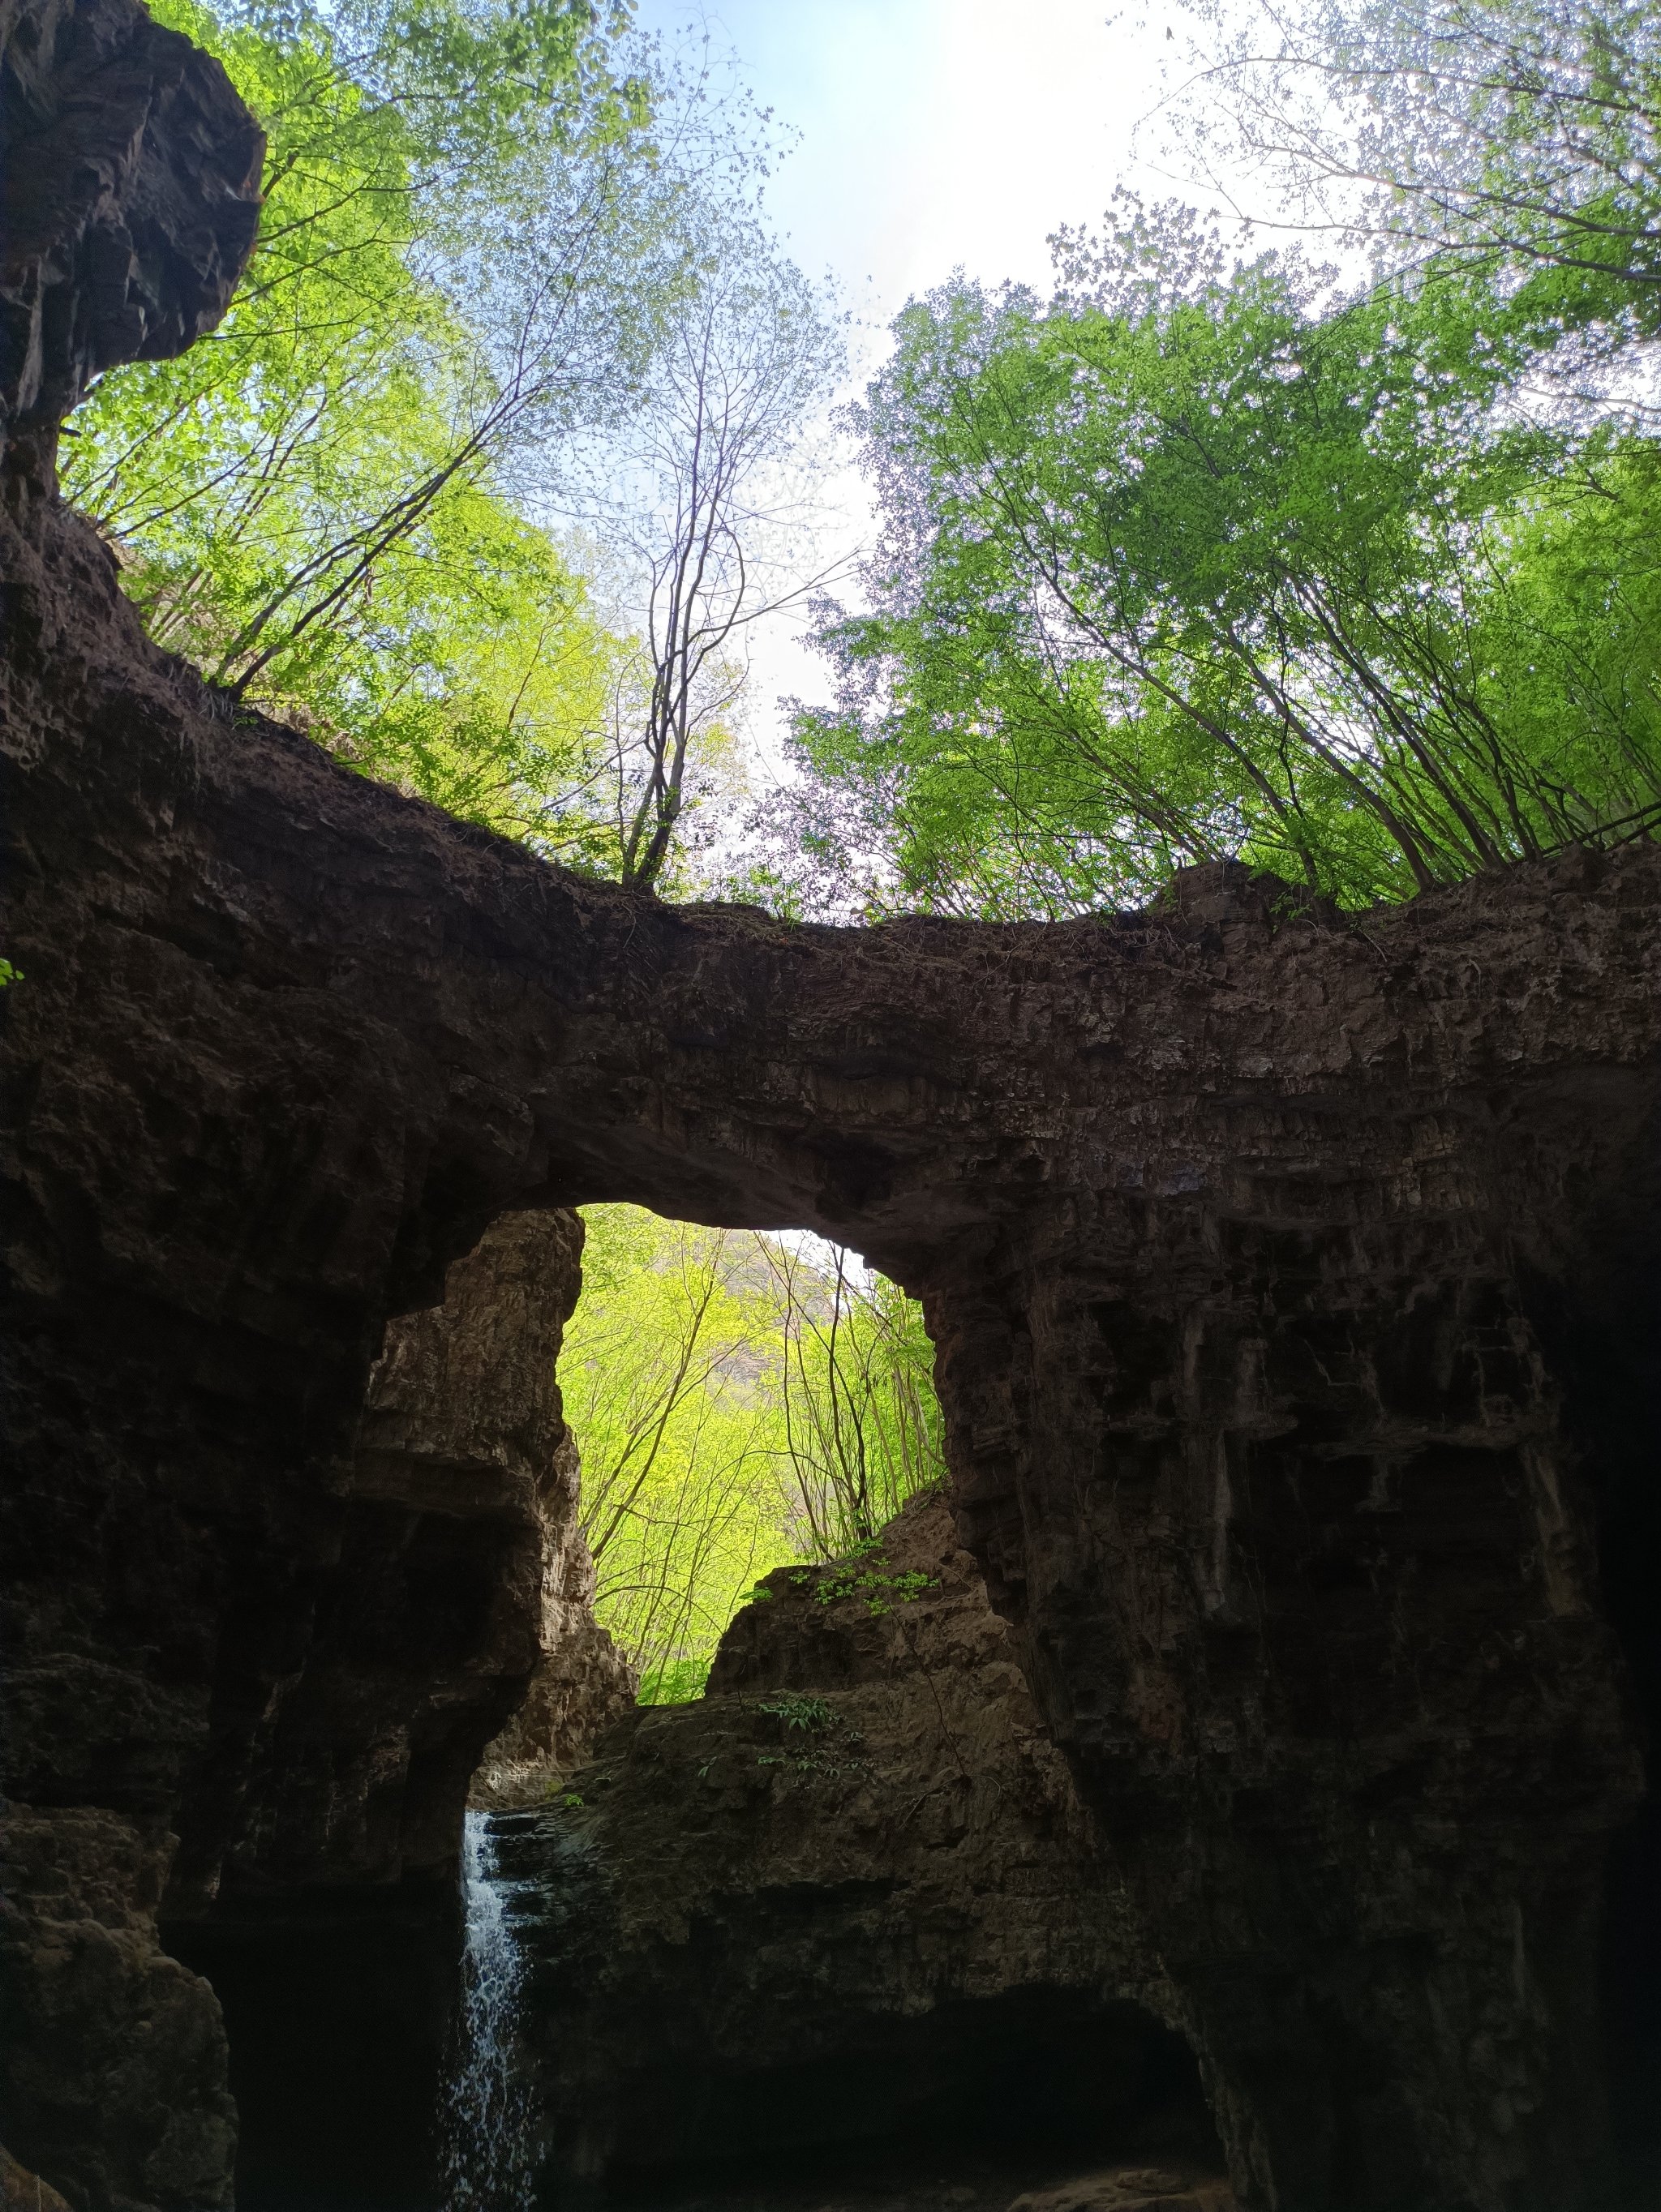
(489, 2124)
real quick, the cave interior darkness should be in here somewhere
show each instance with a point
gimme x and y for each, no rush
(337, 2101)
(340, 2010)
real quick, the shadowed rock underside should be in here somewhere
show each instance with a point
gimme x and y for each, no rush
(1292, 1277)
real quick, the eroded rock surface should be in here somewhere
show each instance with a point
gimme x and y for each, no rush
(1293, 1276)
(128, 197)
(112, 2053)
(23, 2191)
(581, 1684)
(457, 1576)
(849, 1898)
(444, 1573)
(451, 1592)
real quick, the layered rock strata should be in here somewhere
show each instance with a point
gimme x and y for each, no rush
(849, 1901)
(444, 1574)
(582, 1685)
(1292, 1277)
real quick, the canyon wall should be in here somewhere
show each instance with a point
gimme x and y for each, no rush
(848, 1905)
(382, 1628)
(1292, 1277)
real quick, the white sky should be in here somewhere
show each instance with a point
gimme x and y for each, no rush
(934, 134)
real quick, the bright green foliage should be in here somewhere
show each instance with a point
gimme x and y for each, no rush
(855, 1397)
(804, 1713)
(815, 1742)
(683, 1504)
(862, 1572)
(459, 252)
(488, 233)
(737, 1406)
(1174, 569)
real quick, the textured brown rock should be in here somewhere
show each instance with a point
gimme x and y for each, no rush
(850, 1895)
(452, 1541)
(1127, 2190)
(113, 2057)
(446, 1571)
(1261, 1257)
(128, 201)
(23, 2191)
(1294, 1279)
(582, 1685)
(463, 1395)
(453, 1575)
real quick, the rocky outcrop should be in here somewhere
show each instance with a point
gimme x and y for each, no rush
(454, 1552)
(463, 1394)
(449, 1577)
(582, 1685)
(129, 198)
(23, 2191)
(1292, 1277)
(444, 1572)
(113, 2053)
(847, 1902)
(1287, 1275)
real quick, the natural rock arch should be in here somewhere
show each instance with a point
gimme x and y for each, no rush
(1291, 1277)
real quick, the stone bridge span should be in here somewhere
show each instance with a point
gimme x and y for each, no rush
(1292, 1277)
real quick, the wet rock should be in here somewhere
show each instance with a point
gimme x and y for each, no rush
(1130, 2189)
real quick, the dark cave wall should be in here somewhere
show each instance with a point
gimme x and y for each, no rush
(1305, 1564)
(1234, 1233)
(129, 198)
(849, 1899)
(1264, 1252)
(316, 1892)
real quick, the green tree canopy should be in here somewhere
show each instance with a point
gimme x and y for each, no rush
(1176, 565)
(483, 227)
(737, 1404)
(1520, 136)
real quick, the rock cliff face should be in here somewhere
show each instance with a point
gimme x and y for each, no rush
(128, 203)
(1292, 1277)
(583, 1684)
(848, 1905)
(447, 1584)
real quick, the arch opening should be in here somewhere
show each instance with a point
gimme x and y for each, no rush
(741, 1400)
(746, 1399)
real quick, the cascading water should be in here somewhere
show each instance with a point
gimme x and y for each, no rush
(490, 2120)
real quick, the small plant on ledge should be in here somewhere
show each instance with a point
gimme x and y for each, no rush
(827, 1747)
(862, 1573)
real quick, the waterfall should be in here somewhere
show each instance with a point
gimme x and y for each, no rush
(489, 2128)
